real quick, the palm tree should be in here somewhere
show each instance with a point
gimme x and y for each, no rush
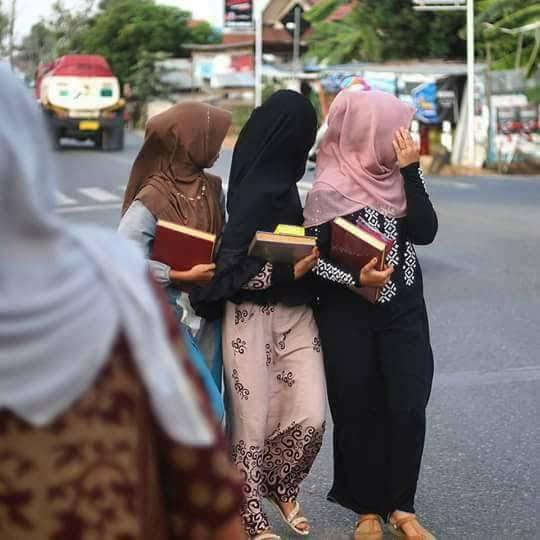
(512, 28)
(351, 38)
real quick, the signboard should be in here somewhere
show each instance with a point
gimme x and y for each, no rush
(425, 100)
(238, 12)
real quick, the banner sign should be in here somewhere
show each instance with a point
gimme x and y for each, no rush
(238, 12)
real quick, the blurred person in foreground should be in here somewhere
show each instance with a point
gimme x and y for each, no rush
(105, 431)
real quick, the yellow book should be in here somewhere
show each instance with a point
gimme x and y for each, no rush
(290, 230)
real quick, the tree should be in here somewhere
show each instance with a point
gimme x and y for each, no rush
(203, 33)
(147, 79)
(4, 26)
(123, 30)
(37, 47)
(378, 30)
(70, 27)
(510, 50)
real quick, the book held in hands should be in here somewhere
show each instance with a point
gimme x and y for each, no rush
(353, 246)
(287, 246)
(181, 247)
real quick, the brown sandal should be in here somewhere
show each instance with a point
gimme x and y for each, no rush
(396, 528)
(375, 532)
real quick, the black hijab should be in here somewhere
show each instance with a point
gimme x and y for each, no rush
(268, 160)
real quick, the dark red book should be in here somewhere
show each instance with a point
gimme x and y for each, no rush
(182, 247)
(353, 246)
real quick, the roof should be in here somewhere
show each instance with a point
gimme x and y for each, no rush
(341, 12)
(273, 35)
(219, 47)
(433, 67)
(230, 38)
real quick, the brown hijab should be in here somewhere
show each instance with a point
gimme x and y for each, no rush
(168, 174)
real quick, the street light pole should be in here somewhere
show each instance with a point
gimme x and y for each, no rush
(296, 39)
(455, 5)
(470, 83)
(258, 12)
(11, 43)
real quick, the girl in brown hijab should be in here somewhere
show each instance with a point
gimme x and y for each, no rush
(168, 181)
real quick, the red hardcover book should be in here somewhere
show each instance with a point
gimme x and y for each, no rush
(353, 246)
(182, 247)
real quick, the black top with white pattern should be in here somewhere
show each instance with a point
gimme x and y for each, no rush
(419, 226)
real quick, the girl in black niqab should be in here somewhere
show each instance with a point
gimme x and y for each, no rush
(272, 357)
(269, 159)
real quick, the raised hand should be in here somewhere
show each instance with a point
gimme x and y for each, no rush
(406, 149)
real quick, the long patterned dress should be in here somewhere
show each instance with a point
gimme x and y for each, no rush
(276, 392)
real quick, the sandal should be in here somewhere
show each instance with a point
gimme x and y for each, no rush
(375, 532)
(293, 519)
(396, 528)
(266, 536)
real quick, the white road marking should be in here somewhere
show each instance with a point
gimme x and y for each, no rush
(99, 194)
(88, 208)
(63, 200)
(110, 201)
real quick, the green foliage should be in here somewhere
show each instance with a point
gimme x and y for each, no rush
(240, 115)
(69, 27)
(510, 14)
(4, 25)
(320, 11)
(203, 33)
(125, 29)
(129, 33)
(147, 80)
(38, 47)
(377, 30)
(63, 33)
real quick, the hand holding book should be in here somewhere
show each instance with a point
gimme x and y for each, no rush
(371, 277)
(305, 265)
(200, 273)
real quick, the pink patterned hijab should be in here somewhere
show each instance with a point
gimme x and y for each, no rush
(357, 165)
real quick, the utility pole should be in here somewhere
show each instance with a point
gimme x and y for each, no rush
(470, 83)
(468, 6)
(296, 39)
(258, 13)
(11, 32)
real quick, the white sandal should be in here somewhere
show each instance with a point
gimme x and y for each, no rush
(267, 536)
(293, 519)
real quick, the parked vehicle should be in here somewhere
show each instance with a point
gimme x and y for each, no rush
(81, 98)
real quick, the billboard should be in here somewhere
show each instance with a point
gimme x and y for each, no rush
(238, 12)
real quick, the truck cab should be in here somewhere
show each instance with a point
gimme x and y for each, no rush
(81, 99)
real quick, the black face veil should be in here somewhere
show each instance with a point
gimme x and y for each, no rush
(269, 159)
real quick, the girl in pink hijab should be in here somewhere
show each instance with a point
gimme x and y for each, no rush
(378, 357)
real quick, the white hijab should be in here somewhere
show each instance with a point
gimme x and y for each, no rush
(66, 293)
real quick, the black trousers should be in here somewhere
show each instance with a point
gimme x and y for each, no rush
(379, 370)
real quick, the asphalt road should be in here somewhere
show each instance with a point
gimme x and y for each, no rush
(480, 475)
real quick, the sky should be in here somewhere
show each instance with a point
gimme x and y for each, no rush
(30, 11)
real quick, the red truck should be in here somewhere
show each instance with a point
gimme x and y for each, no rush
(81, 98)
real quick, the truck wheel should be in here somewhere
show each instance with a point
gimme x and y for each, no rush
(57, 144)
(113, 139)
